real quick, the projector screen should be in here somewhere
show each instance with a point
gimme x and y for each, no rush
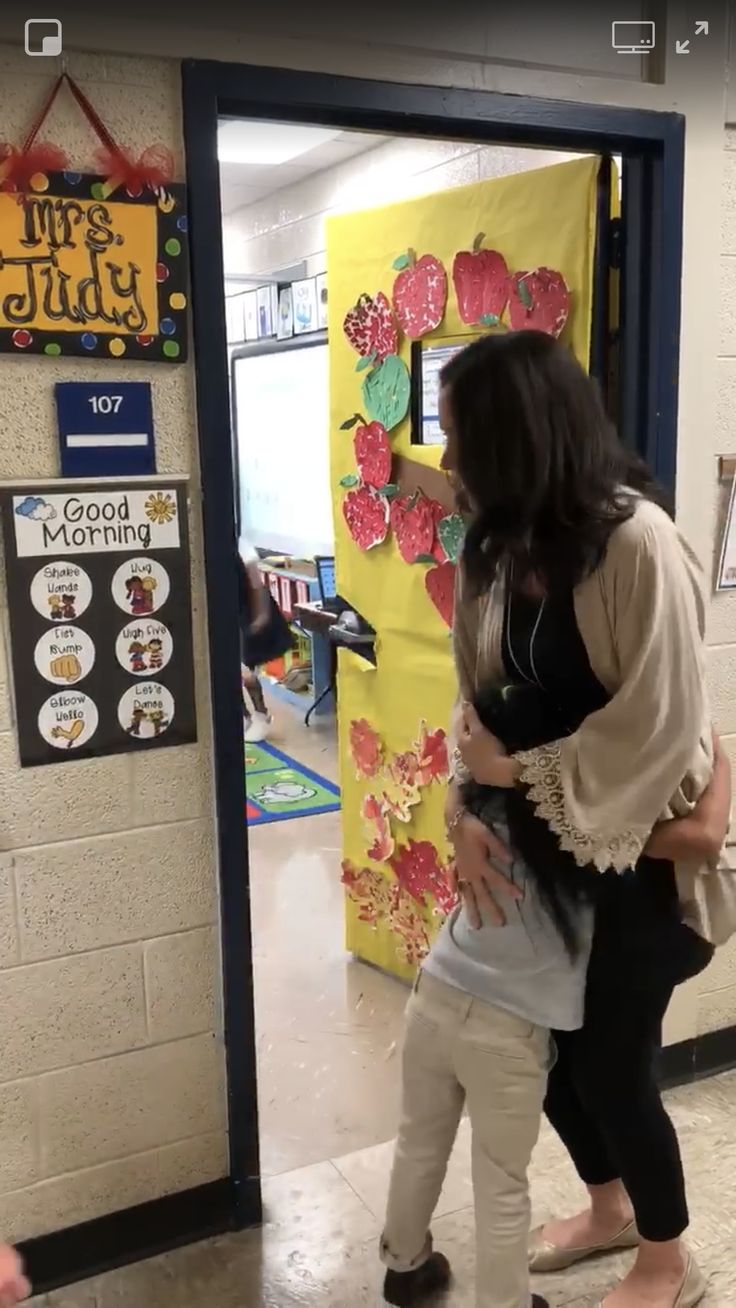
(281, 414)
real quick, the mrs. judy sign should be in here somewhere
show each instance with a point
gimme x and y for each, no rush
(81, 274)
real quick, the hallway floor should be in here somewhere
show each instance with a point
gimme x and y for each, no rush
(318, 1245)
(327, 1025)
(328, 1034)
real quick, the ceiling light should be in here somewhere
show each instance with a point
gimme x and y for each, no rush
(268, 144)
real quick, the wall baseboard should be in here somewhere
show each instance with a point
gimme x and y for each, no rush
(91, 1248)
(692, 1060)
(130, 1236)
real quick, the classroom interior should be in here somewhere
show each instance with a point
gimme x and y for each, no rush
(318, 226)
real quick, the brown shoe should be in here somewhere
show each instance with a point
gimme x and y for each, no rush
(405, 1289)
(547, 1257)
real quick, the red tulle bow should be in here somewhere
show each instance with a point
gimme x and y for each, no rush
(17, 167)
(154, 169)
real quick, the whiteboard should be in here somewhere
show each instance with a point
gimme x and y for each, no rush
(282, 437)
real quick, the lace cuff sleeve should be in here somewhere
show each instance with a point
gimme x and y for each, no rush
(541, 774)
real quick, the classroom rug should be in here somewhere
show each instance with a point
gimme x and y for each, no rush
(278, 788)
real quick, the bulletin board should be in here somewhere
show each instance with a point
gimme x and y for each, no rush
(99, 598)
(399, 274)
(84, 275)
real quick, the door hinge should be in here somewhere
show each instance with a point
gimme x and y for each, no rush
(615, 243)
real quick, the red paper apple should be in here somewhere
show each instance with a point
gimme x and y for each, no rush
(419, 294)
(366, 514)
(414, 524)
(539, 300)
(370, 327)
(373, 454)
(481, 280)
(440, 584)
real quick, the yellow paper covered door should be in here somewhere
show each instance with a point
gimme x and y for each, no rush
(496, 256)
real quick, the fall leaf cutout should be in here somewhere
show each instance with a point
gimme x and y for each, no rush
(379, 900)
(366, 748)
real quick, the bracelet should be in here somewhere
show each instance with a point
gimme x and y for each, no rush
(454, 822)
(460, 772)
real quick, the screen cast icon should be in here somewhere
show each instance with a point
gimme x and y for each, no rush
(628, 37)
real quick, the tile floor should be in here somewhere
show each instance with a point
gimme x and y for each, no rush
(328, 1071)
(318, 1244)
(327, 1024)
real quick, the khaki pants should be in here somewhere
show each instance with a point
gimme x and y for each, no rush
(461, 1051)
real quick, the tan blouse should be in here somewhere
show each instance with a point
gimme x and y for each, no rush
(648, 754)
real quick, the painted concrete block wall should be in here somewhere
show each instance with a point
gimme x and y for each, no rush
(111, 1074)
(715, 1005)
(289, 226)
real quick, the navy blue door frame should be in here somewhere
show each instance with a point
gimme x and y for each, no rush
(652, 148)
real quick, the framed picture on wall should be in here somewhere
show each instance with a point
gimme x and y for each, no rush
(234, 319)
(264, 301)
(322, 301)
(285, 320)
(727, 566)
(250, 314)
(305, 306)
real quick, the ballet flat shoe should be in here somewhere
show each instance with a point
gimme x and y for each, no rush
(547, 1257)
(693, 1287)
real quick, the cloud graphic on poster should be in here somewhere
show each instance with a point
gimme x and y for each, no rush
(36, 509)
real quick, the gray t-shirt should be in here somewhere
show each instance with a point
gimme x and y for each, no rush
(524, 965)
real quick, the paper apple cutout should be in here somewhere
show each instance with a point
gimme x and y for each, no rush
(370, 327)
(481, 281)
(366, 515)
(539, 301)
(414, 526)
(420, 294)
(373, 454)
(451, 534)
(440, 584)
(386, 392)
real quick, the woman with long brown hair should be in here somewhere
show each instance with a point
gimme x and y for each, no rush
(575, 579)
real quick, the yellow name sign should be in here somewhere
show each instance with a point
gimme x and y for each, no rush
(81, 274)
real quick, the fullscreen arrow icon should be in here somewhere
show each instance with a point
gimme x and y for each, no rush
(682, 47)
(701, 27)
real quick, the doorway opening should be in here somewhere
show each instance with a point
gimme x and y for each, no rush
(323, 1026)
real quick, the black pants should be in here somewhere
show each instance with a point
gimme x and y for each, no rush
(602, 1097)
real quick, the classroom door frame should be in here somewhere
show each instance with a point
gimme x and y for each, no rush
(651, 145)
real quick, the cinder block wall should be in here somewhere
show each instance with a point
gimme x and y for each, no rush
(111, 1065)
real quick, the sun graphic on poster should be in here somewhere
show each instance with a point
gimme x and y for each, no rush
(160, 508)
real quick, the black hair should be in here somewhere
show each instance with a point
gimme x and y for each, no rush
(522, 716)
(541, 464)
